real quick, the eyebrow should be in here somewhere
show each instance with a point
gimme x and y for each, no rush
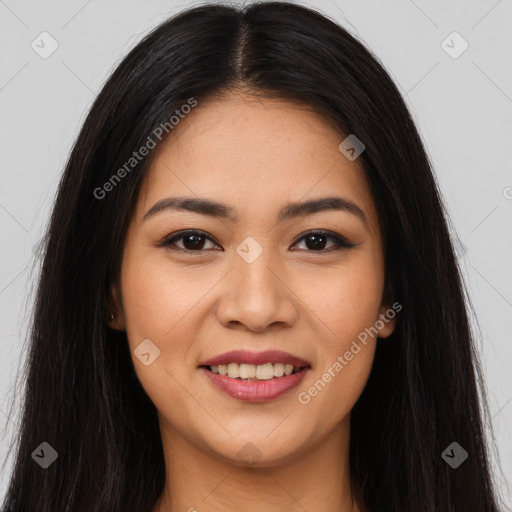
(289, 211)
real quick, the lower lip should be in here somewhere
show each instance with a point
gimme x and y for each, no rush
(254, 390)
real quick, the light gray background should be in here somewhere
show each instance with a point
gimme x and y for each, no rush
(462, 106)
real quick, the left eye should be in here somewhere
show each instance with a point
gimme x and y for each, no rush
(194, 241)
(318, 239)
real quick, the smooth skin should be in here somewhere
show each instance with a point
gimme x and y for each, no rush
(298, 296)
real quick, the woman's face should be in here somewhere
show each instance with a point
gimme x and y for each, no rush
(256, 278)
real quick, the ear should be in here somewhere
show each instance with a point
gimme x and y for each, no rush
(388, 312)
(116, 309)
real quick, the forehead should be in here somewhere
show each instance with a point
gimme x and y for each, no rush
(254, 154)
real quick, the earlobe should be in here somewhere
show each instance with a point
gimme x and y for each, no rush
(385, 324)
(115, 314)
(386, 321)
(116, 323)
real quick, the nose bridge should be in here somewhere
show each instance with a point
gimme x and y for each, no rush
(255, 277)
(257, 296)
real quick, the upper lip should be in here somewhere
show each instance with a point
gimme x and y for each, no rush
(256, 358)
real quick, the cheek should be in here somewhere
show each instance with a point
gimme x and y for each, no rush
(331, 394)
(347, 306)
(345, 299)
(162, 304)
(154, 307)
(156, 297)
(344, 359)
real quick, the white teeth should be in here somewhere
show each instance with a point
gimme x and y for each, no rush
(265, 371)
(245, 371)
(278, 370)
(233, 370)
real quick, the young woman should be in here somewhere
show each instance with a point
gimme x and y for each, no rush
(249, 299)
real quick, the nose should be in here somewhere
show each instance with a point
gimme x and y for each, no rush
(257, 296)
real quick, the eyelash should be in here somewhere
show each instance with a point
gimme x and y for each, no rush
(340, 242)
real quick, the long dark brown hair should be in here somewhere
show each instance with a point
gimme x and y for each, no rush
(81, 394)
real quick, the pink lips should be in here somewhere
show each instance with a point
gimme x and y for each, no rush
(253, 390)
(244, 356)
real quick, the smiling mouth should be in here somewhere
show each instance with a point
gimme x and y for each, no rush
(251, 372)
